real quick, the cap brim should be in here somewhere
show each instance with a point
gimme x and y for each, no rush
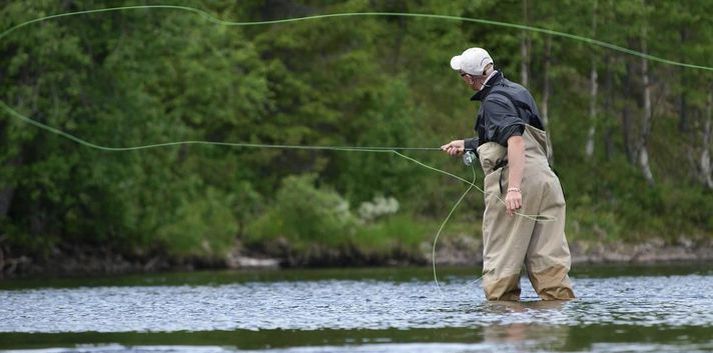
(456, 62)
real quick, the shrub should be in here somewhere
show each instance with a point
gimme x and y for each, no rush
(303, 215)
(203, 227)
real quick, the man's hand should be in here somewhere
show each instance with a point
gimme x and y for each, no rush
(454, 148)
(513, 200)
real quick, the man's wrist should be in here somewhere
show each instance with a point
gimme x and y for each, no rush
(514, 189)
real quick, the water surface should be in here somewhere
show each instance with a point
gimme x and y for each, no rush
(619, 309)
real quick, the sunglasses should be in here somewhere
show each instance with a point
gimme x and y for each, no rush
(464, 74)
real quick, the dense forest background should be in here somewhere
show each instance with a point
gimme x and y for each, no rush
(632, 137)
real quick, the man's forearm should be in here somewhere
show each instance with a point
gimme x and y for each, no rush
(516, 161)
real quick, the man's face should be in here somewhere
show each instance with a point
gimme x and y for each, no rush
(475, 82)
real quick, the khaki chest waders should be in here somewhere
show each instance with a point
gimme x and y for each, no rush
(511, 241)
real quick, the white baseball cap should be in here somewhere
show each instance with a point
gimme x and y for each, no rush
(473, 61)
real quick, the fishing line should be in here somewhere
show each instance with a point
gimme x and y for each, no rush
(219, 21)
(86, 143)
(537, 218)
(378, 149)
(443, 224)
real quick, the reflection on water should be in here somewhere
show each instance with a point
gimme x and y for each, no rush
(536, 336)
(395, 311)
(371, 348)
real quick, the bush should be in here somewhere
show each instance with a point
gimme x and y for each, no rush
(203, 227)
(304, 216)
(401, 233)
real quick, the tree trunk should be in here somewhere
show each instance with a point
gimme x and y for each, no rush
(705, 162)
(6, 195)
(682, 104)
(524, 49)
(399, 6)
(544, 107)
(7, 192)
(643, 153)
(629, 147)
(546, 97)
(607, 111)
(589, 146)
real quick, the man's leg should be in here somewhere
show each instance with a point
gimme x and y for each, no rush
(505, 243)
(548, 258)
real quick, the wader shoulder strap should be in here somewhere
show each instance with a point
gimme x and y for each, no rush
(531, 118)
(525, 107)
(538, 123)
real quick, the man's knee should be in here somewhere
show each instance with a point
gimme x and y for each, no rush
(552, 283)
(502, 288)
(556, 293)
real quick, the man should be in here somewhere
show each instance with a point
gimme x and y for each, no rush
(514, 153)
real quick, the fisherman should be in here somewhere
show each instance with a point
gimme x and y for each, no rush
(514, 152)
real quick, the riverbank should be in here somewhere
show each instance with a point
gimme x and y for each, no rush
(468, 251)
(453, 251)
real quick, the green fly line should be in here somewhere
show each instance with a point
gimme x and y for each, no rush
(219, 21)
(374, 149)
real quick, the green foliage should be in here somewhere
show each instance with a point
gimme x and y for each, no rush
(400, 233)
(203, 227)
(149, 76)
(303, 215)
(307, 224)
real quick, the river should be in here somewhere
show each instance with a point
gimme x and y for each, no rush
(622, 308)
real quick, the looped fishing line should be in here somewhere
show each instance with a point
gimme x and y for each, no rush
(443, 224)
(218, 21)
(536, 218)
(377, 149)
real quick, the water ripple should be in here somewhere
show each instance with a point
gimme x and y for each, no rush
(681, 300)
